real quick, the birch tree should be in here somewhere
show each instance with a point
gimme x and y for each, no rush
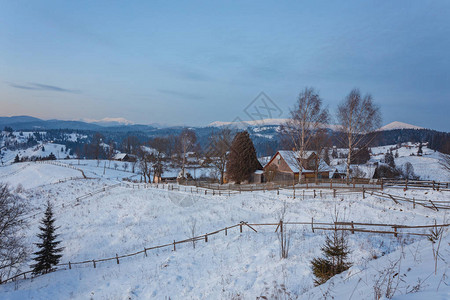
(357, 117)
(306, 118)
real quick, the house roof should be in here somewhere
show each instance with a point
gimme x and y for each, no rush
(120, 156)
(292, 160)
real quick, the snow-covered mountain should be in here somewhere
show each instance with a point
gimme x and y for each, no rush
(109, 121)
(398, 125)
(262, 122)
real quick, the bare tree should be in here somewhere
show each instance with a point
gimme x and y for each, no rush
(319, 143)
(130, 144)
(307, 117)
(160, 146)
(219, 149)
(357, 117)
(145, 165)
(186, 142)
(12, 250)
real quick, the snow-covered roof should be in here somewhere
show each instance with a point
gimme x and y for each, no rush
(292, 160)
(120, 156)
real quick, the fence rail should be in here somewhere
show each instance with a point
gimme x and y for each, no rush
(335, 226)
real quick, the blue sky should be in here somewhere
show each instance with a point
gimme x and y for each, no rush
(194, 62)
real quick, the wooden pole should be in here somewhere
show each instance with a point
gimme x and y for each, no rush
(312, 224)
(94, 263)
(353, 227)
(174, 246)
(206, 238)
(226, 230)
(117, 258)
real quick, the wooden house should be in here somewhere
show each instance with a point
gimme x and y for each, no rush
(286, 165)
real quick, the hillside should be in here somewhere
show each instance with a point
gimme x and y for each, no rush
(237, 266)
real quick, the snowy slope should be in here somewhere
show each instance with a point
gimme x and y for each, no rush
(31, 175)
(247, 265)
(398, 125)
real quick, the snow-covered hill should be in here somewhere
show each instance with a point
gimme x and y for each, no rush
(398, 125)
(237, 266)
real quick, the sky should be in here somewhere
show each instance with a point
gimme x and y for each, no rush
(195, 62)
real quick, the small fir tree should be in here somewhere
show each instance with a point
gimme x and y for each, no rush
(17, 158)
(52, 156)
(335, 258)
(48, 254)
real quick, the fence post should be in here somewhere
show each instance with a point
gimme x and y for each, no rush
(145, 251)
(334, 193)
(206, 237)
(395, 231)
(381, 183)
(314, 193)
(414, 203)
(117, 258)
(433, 185)
(353, 182)
(240, 227)
(406, 184)
(174, 247)
(312, 224)
(364, 194)
(94, 263)
(353, 227)
(226, 230)
(70, 266)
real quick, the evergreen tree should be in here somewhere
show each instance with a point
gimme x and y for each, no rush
(335, 260)
(242, 160)
(52, 156)
(326, 155)
(420, 152)
(48, 254)
(334, 153)
(17, 158)
(389, 160)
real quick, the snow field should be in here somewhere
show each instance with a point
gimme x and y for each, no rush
(247, 265)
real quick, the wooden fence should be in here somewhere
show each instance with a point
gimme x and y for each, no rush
(297, 193)
(418, 184)
(341, 226)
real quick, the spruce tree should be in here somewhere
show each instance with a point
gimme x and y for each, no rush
(242, 160)
(17, 158)
(420, 152)
(48, 254)
(335, 260)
